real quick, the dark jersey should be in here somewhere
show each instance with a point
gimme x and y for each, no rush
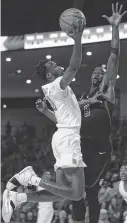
(96, 118)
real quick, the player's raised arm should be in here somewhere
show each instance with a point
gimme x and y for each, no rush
(113, 61)
(76, 58)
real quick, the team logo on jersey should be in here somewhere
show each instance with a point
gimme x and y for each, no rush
(74, 161)
(87, 110)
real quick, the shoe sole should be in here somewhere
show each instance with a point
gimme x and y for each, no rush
(7, 210)
(13, 182)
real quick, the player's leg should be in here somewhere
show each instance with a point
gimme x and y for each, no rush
(71, 187)
(101, 156)
(92, 194)
(75, 190)
(94, 206)
(67, 151)
(46, 196)
(79, 211)
(43, 196)
(12, 199)
(69, 165)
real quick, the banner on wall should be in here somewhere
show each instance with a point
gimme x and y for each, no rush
(11, 43)
(60, 38)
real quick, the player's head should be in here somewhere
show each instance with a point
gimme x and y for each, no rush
(97, 76)
(123, 172)
(48, 70)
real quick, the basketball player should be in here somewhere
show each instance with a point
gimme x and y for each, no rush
(69, 166)
(97, 109)
(96, 123)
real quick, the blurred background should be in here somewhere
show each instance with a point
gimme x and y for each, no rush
(30, 32)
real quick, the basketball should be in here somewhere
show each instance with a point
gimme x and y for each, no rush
(68, 17)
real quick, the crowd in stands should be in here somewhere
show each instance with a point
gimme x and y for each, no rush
(24, 148)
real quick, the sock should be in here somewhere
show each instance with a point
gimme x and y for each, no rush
(35, 181)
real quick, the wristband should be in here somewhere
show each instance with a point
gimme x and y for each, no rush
(115, 51)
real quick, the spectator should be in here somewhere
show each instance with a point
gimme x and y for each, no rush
(105, 189)
(63, 216)
(114, 179)
(56, 217)
(108, 176)
(30, 217)
(22, 217)
(103, 216)
(70, 220)
(114, 212)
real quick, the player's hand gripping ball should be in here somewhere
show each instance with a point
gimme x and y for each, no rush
(72, 20)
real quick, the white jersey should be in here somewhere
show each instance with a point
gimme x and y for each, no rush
(64, 104)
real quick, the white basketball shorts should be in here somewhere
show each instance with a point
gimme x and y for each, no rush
(66, 148)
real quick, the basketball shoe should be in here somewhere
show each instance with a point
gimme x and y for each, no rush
(11, 200)
(25, 177)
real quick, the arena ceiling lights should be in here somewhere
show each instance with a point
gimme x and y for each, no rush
(57, 39)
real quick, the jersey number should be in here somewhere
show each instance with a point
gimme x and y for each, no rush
(87, 110)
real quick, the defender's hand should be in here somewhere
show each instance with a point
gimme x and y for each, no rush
(41, 105)
(94, 101)
(116, 17)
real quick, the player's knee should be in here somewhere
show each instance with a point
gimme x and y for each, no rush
(78, 195)
(77, 198)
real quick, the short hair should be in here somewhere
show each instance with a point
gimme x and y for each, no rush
(103, 70)
(41, 69)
